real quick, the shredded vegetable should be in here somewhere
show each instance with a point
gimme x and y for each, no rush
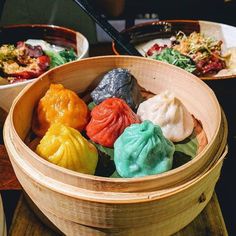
(195, 53)
(197, 46)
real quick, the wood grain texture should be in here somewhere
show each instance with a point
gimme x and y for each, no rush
(209, 222)
(3, 228)
(26, 223)
(7, 175)
(3, 116)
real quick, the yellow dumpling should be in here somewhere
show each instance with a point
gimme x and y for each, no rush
(66, 147)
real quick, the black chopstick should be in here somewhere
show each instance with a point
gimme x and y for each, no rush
(123, 43)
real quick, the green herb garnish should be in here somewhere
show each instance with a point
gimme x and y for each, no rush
(106, 165)
(173, 57)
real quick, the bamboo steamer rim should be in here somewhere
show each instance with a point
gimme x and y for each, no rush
(96, 196)
(118, 180)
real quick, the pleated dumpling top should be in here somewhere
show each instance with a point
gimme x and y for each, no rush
(66, 147)
(60, 105)
(170, 114)
(108, 121)
(118, 83)
(143, 150)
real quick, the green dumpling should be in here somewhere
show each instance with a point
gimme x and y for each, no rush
(143, 150)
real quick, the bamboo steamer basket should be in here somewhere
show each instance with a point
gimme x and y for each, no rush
(153, 76)
(94, 205)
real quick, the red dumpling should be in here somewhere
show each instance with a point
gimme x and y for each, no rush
(109, 119)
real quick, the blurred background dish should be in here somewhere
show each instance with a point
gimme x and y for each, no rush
(145, 35)
(57, 37)
(190, 38)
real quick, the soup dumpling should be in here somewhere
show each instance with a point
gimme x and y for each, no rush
(121, 84)
(60, 105)
(170, 114)
(143, 150)
(108, 121)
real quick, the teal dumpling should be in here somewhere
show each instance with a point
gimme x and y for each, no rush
(143, 150)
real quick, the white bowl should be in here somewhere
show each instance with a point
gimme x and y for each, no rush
(53, 34)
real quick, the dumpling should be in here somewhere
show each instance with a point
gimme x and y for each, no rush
(121, 84)
(169, 113)
(66, 147)
(108, 121)
(60, 105)
(143, 150)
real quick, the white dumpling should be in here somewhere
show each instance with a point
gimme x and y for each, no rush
(169, 113)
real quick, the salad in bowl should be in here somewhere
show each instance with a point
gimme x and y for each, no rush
(27, 51)
(206, 49)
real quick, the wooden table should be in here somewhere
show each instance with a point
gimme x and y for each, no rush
(26, 223)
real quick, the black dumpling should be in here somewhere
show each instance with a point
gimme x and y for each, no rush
(121, 84)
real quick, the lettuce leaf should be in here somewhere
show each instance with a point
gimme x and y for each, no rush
(55, 59)
(61, 57)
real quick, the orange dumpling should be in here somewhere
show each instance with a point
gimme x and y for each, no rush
(108, 121)
(60, 105)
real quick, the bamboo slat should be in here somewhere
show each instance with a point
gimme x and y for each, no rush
(209, 222)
